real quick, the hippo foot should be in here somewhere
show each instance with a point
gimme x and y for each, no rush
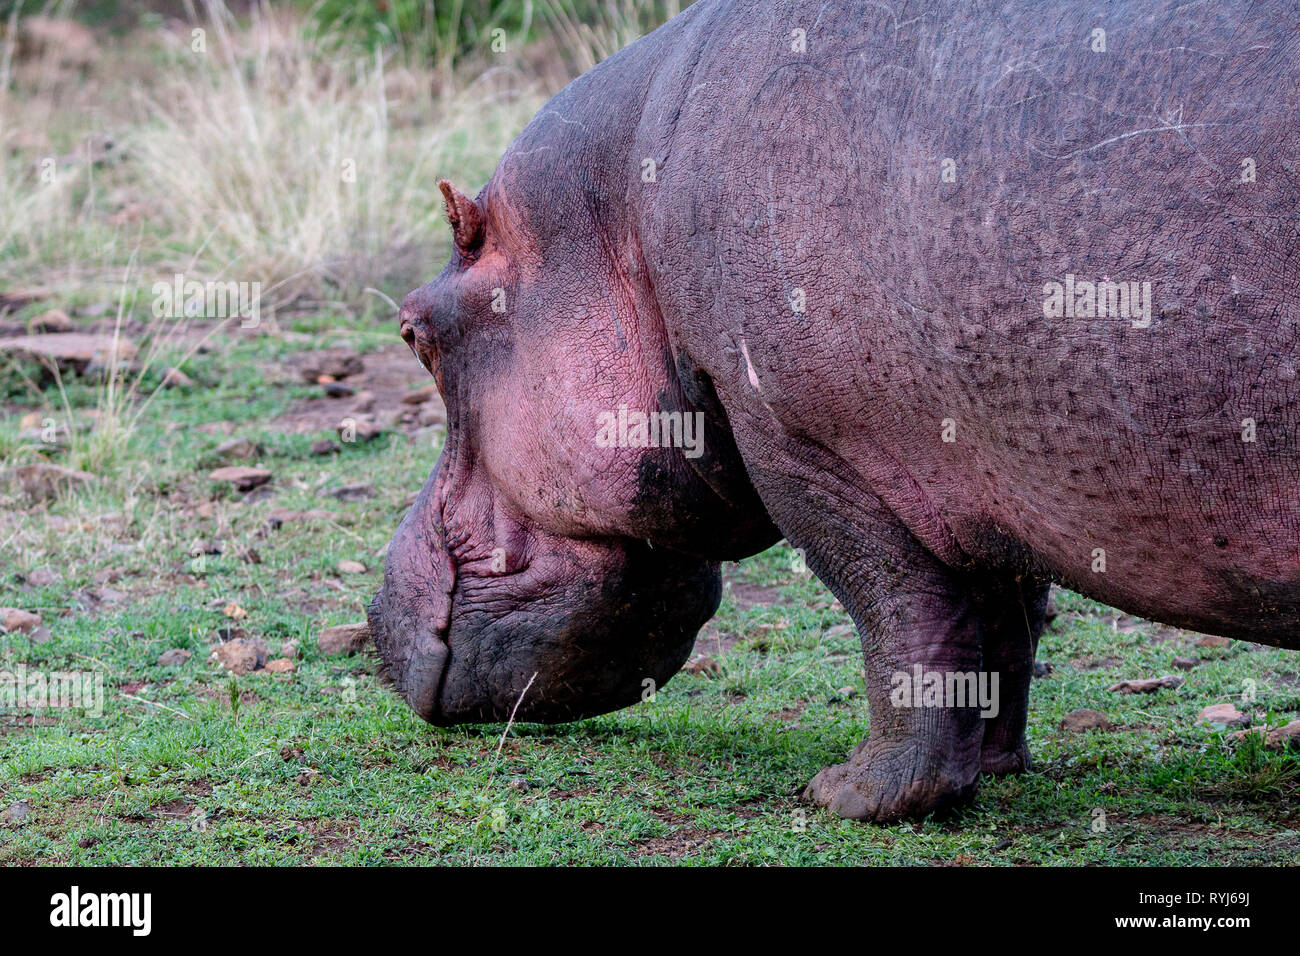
(883, 790)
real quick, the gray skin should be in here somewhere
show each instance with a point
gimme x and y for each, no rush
(802, 271)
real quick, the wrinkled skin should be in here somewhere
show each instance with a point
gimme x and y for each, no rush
(820, 172)
(533, 558)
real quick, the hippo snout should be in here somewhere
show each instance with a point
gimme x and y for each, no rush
(415, 667)
(416, 319)
(584, 628)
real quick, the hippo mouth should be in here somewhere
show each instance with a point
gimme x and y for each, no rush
(550, 629)
(410, 614)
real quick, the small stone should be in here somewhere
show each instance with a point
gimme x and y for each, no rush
(324, 447)
(1043, 668)
(234, 611)
(350, 567)
(420, 395)
(200, 547)
(107, 595)
(173, 658)
(242, 655)
(1221, 716)
(335, 389)
(42, 635)
(361, 429)
(360, 491)
(16, 620)
(55, 320)
(242, 477)
(1274, 738)
(518, 783)
(1186, 663)
(16, 814)
(1280, 738)
(19, 298)
(704, 666)
(290, 650)
(364, 403)
(343, 639)
(1146, 686)
(42, 578)
(1209, 640)
(281, 665)
(43, 481)
(1287, 735)
(78, 349)
(331, 367)
(1083, 719)
(237, 449)
(432, 415)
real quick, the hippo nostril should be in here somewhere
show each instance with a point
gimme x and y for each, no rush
(410, 338)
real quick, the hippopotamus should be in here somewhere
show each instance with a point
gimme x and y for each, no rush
(959, 298)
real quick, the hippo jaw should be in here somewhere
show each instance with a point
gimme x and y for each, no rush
(559, 629)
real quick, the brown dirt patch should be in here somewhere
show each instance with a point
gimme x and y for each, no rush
(389, 374)
(684, 838)
(715, 640)
(752, 595)
(17, 723)
(675, 845)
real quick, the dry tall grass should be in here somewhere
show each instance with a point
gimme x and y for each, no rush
(254, 152)
(602, 32)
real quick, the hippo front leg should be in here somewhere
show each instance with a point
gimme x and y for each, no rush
(919, 620)
(949, 658)
(922, 754)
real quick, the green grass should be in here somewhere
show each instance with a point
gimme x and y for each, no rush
(324, 765)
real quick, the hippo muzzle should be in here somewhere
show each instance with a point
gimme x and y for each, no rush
(561, 628)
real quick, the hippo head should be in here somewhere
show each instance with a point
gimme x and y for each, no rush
(548, 568)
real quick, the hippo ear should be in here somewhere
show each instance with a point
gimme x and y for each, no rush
(466, 219)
